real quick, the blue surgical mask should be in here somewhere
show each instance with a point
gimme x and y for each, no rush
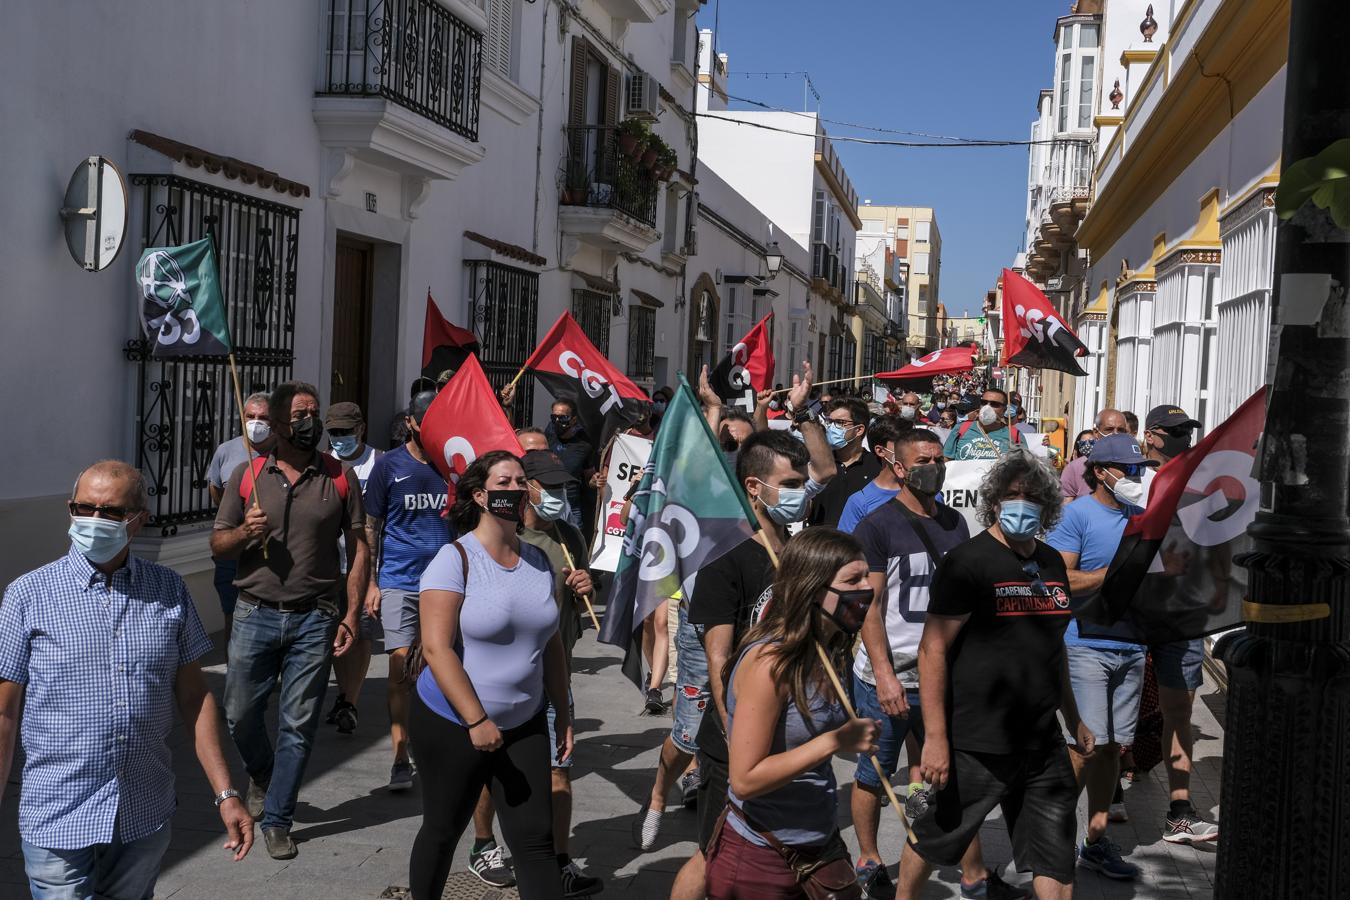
(837, 435)
(344, 445)
(1012, 410)
(791, 505)
(1019, 519)
(552, 504)
(941, 404)
(98, 539)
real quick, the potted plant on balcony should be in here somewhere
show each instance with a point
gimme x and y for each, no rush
(666, 163)
(633, 137)
(655, 146)
(576, 183)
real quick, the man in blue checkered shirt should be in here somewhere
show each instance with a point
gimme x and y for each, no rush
(97, 648)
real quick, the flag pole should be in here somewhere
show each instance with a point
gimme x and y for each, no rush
(248, 445)
(571, 564)
(831, 381)
(763, 539)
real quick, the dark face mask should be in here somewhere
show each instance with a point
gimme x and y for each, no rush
(561, 423)
(1171, 444)
(306, 432)
(506, 504)
(926, 480)
(416, 435)
(729, 443)
(1084, 447)
(851, 610)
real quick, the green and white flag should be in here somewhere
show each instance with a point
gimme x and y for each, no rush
(182, 308)
(688, 510)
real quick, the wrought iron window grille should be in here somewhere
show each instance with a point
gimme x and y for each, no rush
(641, 343)
(415, 53)
(504, 317)
(592, 310)
(185, 406)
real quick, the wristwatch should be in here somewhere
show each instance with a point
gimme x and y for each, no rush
(225, 795)
(802, 416)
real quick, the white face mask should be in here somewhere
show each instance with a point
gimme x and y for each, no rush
(1129, 491)
(988, 415)
(258, 431)
(908, 412)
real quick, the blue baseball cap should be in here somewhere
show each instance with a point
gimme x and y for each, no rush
(1118, 449)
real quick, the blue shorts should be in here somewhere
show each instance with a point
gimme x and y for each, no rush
(551, 715)
(1178, 665)
(1107, 686)
(892, 736)
(692, 694)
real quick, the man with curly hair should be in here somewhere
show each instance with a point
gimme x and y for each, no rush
(989, 700)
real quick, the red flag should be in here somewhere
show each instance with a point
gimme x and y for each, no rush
(571, 367)
(444, 346)
(948, 361)
(746, 369)
(1034, 335)
(1173, 572)
(464, 422)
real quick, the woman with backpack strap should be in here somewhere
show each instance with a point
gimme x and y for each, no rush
(493, 654)
(778, 837)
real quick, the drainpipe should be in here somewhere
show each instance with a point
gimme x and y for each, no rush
(539, 132)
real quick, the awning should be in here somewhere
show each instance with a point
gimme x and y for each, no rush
(647, 299)
(510, 251)
(596, 283)
(217, 163)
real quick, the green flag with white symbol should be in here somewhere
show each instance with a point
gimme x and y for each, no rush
(182, 308)
(688, 510)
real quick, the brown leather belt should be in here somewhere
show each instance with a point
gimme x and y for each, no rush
(285, 606)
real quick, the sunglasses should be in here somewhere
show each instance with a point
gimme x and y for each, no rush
(1033, 571)
(1130, 470)
(89, 510)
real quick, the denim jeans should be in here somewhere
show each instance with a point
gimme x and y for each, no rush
(692, 692)
(116, 870)
(226, 569)
(894, 729)
(265, 643)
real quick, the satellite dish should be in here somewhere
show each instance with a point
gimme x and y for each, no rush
(95, 213)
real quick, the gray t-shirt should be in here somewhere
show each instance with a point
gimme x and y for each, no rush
(228, 456)
(505, 623)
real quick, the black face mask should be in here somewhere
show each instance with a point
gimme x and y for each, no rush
(730, 444)
(927, 479)
(851, 609)
(506, 504)
(1173, 444)
(561, 423)
(306, 432)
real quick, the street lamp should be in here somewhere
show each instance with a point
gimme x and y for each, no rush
(773, 259)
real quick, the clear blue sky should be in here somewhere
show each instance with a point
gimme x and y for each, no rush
(971, 69)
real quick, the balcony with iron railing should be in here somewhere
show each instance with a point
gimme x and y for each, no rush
(1059, 203)
(401, 85)
(608, 197)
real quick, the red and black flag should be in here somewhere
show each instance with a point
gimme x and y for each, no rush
(746, 369)
(1034, 335)
(464, 422)
(444, 346)
(1173, 573)
(571, 368)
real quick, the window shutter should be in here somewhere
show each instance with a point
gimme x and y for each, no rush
(576, 113)
(613, 93)
(501, 21)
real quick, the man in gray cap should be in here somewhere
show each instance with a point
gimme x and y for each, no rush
(405, 497)
(1106, 665)
(346, 429)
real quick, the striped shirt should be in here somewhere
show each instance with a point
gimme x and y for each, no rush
(99, 661)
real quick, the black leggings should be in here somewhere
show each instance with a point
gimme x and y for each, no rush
(453, 774)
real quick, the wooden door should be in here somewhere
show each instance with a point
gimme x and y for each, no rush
(351, 323)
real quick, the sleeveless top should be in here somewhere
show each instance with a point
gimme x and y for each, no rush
(801, 813)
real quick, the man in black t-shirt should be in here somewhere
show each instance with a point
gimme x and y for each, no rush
(992, 674)
(727, 598)
(846, 423)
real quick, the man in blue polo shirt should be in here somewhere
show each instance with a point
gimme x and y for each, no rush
(405, 500)
(1106, 665)
(881, 435)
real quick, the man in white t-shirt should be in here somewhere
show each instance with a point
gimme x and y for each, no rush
(346, 428)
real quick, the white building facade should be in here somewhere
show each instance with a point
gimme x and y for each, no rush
(347, 158)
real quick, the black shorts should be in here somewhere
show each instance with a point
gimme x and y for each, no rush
(1038, 795)
(712, 796)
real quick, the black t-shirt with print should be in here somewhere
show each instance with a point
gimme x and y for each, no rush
(734, 590)
(1006, 666)
(828, 505)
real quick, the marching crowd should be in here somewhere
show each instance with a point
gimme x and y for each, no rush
(960, 649)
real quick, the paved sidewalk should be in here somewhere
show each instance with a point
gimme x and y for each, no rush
(354, 837)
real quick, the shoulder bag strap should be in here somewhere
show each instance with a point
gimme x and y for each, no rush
(919, 530)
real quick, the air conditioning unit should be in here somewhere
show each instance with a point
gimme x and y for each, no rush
(644, 96)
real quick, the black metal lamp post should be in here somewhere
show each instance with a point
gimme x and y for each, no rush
(1285, 811)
